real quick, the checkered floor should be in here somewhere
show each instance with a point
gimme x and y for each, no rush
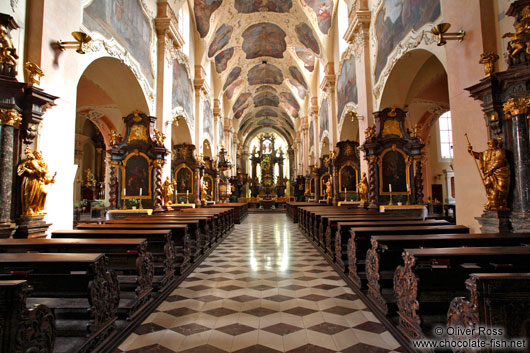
(264, 289)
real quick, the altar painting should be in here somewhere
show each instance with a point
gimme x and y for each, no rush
(394, 170)
(323, 180)
(209, 185)
(324, 117)
(136, 175)
(184, 180)
(348, 177)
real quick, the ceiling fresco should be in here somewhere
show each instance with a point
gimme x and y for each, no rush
(264, 39)
(266, 112)
(265, 88)
(220, 40)
(266, 98)
(221, 59)
(242, 99)
(306, 56)
(250, 6)
(231, 90)
(232, 76)
(323, 10)
(265, 74)
(306, 37)
(240, 112)
(299, 89)
(203, 11)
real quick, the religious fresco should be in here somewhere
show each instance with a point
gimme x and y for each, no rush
(311, 135)
(231, 90)
(306, 56)
(126, 22)
(394, 171)
(266, 122)
(264, 39)
(397, 18)
(299, 89)
(291, 101)
(232, 76)
(306, 37)
(207, 118)
(250, 6)
(221, 59)
(324, 10)
(265, 74)
(347, 85)
(182, 93)
(297, 75)
(266, 112)
(137, 175)
(242, 99)
(265, 88)
(203, 12)
(323, 117)
(220, 39)
(240, 112)
(266, 98)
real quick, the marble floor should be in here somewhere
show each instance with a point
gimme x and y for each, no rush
(264, 289)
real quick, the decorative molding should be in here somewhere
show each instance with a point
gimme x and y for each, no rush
(14, 4)
(179, 111)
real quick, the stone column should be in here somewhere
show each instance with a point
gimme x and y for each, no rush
(10, 120)
(328, 86)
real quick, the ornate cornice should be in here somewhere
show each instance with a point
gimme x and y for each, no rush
(359, 24)
(166, 25)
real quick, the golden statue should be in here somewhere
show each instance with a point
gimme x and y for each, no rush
(8, 53)
(159, 137)
(495, 174)
(33, 73)
(168, 191)
(362, 187)
(204, 190)
(329, 190)
(369, 133)
(521, 40)
(89, 180)
(34, 173)
(115, 138)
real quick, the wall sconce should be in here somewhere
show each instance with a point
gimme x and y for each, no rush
(81, 38)
(354, 116)
(441, 29)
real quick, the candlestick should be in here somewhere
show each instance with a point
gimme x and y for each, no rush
(389, 187)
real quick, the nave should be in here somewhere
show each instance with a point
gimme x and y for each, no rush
(265, 288)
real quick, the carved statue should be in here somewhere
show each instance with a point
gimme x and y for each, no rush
(329, 190)
(204, 190)
(362, 186)
(521, 38)
(115, 138)
(89, 180)
(8, 53)
(159, 137)
(415, 131)
(369, 133)
(168, 191)
(495, 173)
(34, 173)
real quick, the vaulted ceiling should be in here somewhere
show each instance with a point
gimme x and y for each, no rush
(265, 52)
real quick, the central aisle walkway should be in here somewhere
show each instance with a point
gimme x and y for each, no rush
(264, 289)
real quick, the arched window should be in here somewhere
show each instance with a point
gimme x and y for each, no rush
(446, 135)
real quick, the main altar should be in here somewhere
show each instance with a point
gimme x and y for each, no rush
(271, 183)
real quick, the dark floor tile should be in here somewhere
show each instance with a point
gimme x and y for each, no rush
(257, 349)
(279, 298)
(325, 286)
(243, 298)
(328, 328)
(190, 329)
(282, 329)
(178, 312)
(204, 349)
(220, 312)
(314, 297)
(300, 311)
(309, 348)
(198, 287)
(148, 328)
(259, 312)
(235, 329)
(340, 310)
(371, 327)
(175, 298)
(347, 296)
(230, 288)
(293, 287)
(208, 298)
(364, 348)
(154, 348)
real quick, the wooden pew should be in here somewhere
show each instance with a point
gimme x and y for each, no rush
(495, 300)
(240, 210)
(385, 255)
(222, 217)
(128, 258)
(159, 244)
(81, 289)
(423, 291)
(351, 257)
(24, 329)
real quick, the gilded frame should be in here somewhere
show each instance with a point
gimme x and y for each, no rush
(184, 166)
(149, 173)
(349, 163)
(408, 162)
(208, 176)
(322, 193)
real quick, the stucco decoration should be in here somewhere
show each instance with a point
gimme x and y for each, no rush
(306, 37)
(182, 93)
(307, 57)
(221, 59)
(395, 19)
(323, 117)
(126, 22)
(266, 112)
(323, 10)
(265, 74)
(266, 98)
(242, 99)
(220, 39)
(347, 85)
(203, 10)
(232, 76)
(264, 39)
(249, 6)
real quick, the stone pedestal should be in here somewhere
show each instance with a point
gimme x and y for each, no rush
(494, 222)
(520, 222)
(31, 227)
(6, 230)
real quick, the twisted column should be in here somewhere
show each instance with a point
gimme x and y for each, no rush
(372, 187)
(113, 185)
(418, 180)
(158, 184)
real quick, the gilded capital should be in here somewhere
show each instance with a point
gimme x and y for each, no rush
(10, 117)
(33, 73)
(488, 60)
(516, 106)
(373, 159)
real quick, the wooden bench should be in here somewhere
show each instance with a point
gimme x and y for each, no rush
(222, 217)
(351, 257)
(385, 255)
(83, 292)
(240, 210)
(159, 244)
(128, 258)
(424, 291)
(24, 329)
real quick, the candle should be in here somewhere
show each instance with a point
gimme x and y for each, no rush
(390, 187)
(141, 192)
(408, 187)
(124, 191)
(187, 192)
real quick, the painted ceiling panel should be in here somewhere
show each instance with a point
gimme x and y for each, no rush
(221, 59)
(265, 74)
(203, 11)
(232, 76)
(324, 10)
(250, 6)
(306, 56)
(220, 40)
(266, 98)
(291, 102)
(264, 39)
(230, 91)
(267, 112)
(265, 88)
(240, 112)
(243, 97)
(299, 89)
(306, 37)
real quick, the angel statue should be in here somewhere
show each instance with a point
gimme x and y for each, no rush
(168, 190)
(329, 190)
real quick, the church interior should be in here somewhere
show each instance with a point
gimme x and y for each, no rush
(264, 176)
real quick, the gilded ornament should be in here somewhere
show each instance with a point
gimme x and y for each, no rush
(488, 60)
(369, 133)
(362, 187)
(416, 131)
(115, 138)
(204, 190)
(10, 117)
(520, 42)
(138, 133)
(329, 190)
(392, 113)
(391, 127)
(159, 137)
(136, 117)
(90, 180)
(33, 73)
(516, 106)
(373, 158)
(35, 178)
(8, 53)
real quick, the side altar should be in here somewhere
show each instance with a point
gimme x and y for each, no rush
(267, 157)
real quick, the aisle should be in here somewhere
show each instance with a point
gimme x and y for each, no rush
(264, 289)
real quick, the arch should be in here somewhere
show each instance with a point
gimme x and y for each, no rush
(181, 133)
(206, 148)
(349, 125)
(324, 144)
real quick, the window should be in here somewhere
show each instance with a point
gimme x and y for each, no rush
(446, 136)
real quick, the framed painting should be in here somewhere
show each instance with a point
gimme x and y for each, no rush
(323, 180)
(394, 169)
(184, 180)
(348, 176)
(136, 176)
(209, 182)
